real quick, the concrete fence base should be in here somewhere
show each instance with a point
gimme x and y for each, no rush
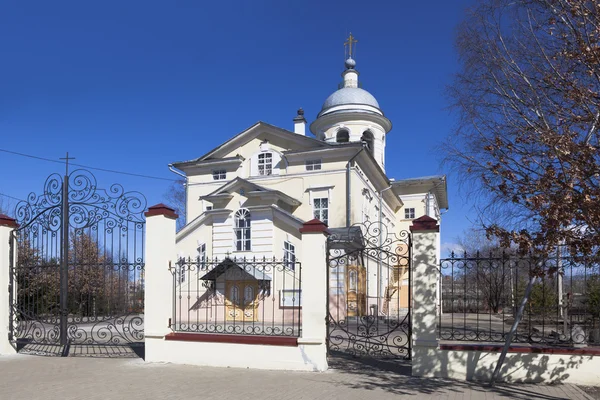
(309, 357)
(517, 367)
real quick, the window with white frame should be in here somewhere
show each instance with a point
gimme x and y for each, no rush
(202, 255)
(289, 255)
(313, 165)
(265, 164)
(321, 209)
(290, 298)
(409, 213)
(242, 230)
(182, 269)
(219, 174)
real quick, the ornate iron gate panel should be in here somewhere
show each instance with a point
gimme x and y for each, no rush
(77, 268)
(369, 291)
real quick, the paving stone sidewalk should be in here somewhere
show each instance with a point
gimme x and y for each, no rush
(49, 378)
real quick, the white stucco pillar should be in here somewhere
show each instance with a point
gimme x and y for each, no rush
(314, 293)
(425, 231)
(7, 224)
(158, 290)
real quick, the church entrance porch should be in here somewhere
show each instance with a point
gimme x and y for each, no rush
(241, 301)
(369, 291)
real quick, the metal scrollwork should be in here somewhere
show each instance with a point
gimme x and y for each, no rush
(369, 291)
(101, 294)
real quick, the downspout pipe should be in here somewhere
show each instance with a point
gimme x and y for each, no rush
(176, 172)
(348, 192)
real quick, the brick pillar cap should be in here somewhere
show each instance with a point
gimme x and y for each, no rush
(425, 223)
(5, 220)
(161, 209)
(315, 226)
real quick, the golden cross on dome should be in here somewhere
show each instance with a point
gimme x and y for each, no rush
(351, 40)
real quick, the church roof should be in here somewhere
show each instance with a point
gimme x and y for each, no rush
(243, 137)
(349, 95)
(437, 184)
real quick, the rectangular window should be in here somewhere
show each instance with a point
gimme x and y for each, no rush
(219, 174)
(265, 164)
(290, 298)
(202, 256)
(208, 208)
(313, 165)
(321, 209)
(182, 269)
(289, 255)
(409, 213)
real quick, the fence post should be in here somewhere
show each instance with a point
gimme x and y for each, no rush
(425, 273)
(7, 224)
(158, 290)
(314, 293)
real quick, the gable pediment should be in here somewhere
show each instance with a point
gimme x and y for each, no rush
(279, 137)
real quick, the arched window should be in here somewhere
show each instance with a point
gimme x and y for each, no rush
(234, 294)
(353, 281)
(242, 230)
(343, 136)
(248, 295)
(367, 139)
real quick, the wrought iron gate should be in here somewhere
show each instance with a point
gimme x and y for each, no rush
(369, 291)
(77, 269)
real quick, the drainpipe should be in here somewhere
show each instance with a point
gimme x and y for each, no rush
(379, 262)
(185, 185)
(348, 193)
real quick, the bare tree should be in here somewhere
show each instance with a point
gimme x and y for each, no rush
(528, 96)
(6, 206)
(175, 197)
(487, 271)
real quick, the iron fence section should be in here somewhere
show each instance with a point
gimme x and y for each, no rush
(77, 267)
(237, 295)
(479, 297)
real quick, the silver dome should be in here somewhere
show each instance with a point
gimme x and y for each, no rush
(349, 95)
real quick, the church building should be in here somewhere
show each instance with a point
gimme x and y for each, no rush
(250, 196)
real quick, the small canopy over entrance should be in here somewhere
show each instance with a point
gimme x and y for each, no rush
(233, 271)
(349, 238)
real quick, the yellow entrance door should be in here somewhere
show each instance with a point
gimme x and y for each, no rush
(356, 289)
(241, 301)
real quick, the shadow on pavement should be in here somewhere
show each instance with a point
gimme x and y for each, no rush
(394, 376)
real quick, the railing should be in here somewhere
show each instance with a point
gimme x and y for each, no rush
(237, 296)
(479, 297)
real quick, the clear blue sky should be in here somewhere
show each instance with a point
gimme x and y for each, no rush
(135, 85)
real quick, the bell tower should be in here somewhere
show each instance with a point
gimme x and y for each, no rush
(351, 114)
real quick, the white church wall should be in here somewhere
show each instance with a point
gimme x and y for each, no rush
(222, 235)
(261, 233)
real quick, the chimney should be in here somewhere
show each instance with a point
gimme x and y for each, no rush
(300, 123)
